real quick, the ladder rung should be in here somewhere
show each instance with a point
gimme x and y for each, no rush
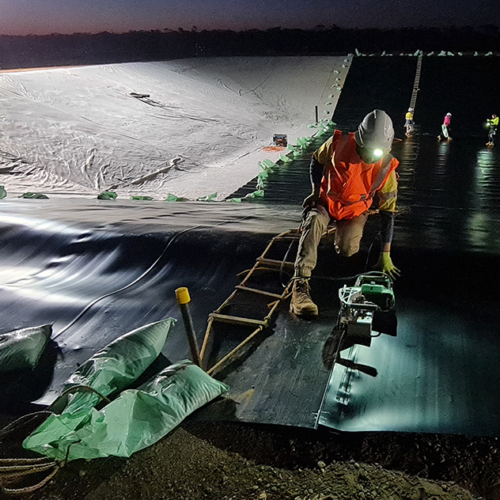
(237, 320)
(279, 238)
(261, 292)
(273, 262)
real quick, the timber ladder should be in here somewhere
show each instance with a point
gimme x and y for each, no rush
(262, 295)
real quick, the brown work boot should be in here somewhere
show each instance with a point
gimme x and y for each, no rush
(301, 303)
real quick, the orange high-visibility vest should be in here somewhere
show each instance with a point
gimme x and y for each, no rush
(349, 184)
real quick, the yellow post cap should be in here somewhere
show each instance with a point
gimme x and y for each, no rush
(182, 295)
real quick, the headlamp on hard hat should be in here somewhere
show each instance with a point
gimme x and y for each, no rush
(372, 155)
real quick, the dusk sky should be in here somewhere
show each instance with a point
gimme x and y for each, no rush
(20, 17)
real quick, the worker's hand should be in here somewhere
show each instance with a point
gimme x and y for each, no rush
(385, 265)
(310, 201)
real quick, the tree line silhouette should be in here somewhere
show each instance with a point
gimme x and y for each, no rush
(101, 48)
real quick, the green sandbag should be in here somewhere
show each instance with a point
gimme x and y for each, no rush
(116, 366)
(34, 196)
(21, 349)
(256, 194)
(107, 195)
(139, 417)
(110, 370)
(210, 197)
(172, 197)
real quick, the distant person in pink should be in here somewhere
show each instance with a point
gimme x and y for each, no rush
(445, 128)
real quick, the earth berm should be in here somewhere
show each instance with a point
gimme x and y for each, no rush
(234, 461)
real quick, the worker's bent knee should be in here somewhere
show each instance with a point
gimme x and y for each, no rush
(347, 250)
(315, 220)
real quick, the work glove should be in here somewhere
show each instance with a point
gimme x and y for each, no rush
(385, 265)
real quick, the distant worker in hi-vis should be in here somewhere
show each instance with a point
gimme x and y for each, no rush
(445, 128)
(347, 172)
(493, 125)
(409, 122)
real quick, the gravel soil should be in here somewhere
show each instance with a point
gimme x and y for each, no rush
(222, 461)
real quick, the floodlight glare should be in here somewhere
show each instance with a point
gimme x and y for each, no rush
(378, 153)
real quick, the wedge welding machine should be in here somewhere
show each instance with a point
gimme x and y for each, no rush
(371, 300)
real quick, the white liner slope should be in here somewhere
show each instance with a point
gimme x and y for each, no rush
(78, 131)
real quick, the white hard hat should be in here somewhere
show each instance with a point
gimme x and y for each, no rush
(375, 131)
(410, 109)
(449, 114)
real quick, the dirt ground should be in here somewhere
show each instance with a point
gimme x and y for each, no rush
(223, 461)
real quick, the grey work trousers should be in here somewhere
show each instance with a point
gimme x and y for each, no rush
(348, 236)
